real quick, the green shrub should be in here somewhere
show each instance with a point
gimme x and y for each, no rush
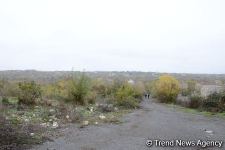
(139, 90)
(125, 96)
(191, 87)
(195, 101)
(57, 90)
(3, 89)
(91, 97)
(185, 92)
(214, 102)
(129, 102)
(8, 89)
(5, 101)
(12, 90)
(100, 88)
(79, 89)
(29, 92)
(124, 92)
(166, 89)
(150, 87)
(210, 105)
(114, 86)
(221, 104)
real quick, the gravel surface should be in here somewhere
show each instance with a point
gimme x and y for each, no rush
(153, 121)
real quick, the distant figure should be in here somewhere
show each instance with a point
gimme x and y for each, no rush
(147, 96)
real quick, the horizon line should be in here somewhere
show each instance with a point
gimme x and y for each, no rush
(84, 70)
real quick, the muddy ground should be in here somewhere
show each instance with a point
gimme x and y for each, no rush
(152, 121)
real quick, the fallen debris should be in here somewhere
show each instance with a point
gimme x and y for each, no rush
(102, 116)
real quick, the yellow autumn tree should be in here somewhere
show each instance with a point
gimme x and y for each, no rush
(167, 88)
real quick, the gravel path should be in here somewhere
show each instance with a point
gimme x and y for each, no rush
(153, 121)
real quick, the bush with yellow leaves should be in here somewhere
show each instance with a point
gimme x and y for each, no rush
(166, 88)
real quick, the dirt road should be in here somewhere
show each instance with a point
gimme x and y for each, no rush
(153, 121)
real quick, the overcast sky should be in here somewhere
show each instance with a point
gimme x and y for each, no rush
(123, 35)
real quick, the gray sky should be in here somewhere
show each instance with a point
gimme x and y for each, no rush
(102, 35)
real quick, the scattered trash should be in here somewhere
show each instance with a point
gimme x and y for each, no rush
(85, 123)
(67, 116)
(20, 113)
(52, 112)
(102, 116)
(31, 134)
(48, 124)
(116, 109)
(91, 109)
(55, 125)
(43, 124)
(208, 131)
(26, 120)
(106, 107)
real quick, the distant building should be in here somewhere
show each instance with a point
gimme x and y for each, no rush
(131, 81)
